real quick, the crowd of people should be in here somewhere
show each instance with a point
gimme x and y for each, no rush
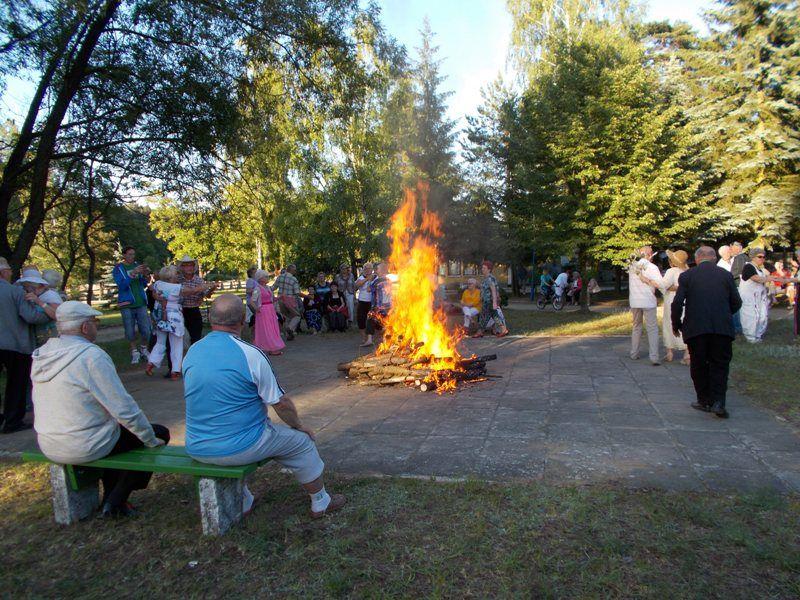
(705, 308)
(82, 411)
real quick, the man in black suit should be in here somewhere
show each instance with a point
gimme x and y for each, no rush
(711, 298)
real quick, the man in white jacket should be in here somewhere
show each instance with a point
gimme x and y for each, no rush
(81, 409)
(644, 278)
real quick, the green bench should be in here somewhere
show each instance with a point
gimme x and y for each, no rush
(76, 494)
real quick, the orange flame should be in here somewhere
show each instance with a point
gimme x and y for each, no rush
(412, 322)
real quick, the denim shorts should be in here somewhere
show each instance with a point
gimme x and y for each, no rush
(133, 318)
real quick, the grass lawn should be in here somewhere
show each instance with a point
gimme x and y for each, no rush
(551, 323)
(767, 372)
(408, 538)
(110, 317)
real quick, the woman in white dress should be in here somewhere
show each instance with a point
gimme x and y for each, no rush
(755, 296)
(677, 261)
(169, 322)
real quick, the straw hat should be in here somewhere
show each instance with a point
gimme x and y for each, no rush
(678, 257)
(186, 258)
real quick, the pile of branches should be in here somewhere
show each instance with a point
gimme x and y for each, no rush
(426, 373)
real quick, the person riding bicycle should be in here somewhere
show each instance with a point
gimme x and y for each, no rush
(562, 283)
(545, 283)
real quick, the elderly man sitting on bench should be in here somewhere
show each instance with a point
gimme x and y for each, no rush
(228, 385)
(81, 409)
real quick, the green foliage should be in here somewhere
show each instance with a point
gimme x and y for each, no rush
(745, 104)
(593, 156)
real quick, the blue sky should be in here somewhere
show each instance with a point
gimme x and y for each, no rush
(473, 38)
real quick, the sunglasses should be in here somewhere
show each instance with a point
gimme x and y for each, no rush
(760, 256)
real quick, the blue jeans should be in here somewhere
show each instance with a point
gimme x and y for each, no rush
(737, 322)
(133, 318)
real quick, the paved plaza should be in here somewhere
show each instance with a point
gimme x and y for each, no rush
(565, 410)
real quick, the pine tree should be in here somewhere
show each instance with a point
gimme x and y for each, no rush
(748, 116)
(431, 150)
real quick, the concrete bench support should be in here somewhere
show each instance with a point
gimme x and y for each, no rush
(220, 503)
(70, 506)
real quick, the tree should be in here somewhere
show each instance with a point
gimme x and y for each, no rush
(746, 108)
(165, 73)
(596, 156)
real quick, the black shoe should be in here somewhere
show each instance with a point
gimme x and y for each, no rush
(21, 426)
(719, 410)
(110, 511)
(701, 406)
(289, 335)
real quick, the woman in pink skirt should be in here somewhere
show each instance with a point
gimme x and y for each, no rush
(267, 332)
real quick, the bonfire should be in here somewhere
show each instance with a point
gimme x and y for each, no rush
(418, 349)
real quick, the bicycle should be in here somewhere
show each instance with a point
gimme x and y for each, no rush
(550, 297)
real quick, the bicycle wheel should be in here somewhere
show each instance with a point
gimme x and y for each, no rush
(558, 302)
(541, 302)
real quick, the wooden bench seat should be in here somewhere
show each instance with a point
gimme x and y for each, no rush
(76, 493)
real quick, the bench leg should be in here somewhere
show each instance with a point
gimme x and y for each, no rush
(220, 503)
(70, 506)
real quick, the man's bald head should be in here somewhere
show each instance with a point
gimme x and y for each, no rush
(704, 253)
(227, 311)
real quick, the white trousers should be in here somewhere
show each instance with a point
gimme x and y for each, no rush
(755, 317)
(351, 311)
(175, 350)
(648, 315)
(469, 314)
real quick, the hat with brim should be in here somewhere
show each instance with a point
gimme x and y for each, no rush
(33, 279)
(4, 266)
(679, 258)
(186, 258)
(72, 310)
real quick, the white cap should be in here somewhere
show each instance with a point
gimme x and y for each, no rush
(186, 258)
(72, 310)
(4, 264)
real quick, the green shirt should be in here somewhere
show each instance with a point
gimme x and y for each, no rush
(137, 291)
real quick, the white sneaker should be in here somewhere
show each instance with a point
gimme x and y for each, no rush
(135, 357)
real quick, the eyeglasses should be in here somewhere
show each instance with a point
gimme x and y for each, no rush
(760, 256)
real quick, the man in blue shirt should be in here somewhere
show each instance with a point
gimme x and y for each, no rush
(228, 385)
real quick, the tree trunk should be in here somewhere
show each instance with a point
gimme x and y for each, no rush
(583, 265)
(618, 279)
(47, 141)
(514, 280)
(85, 236)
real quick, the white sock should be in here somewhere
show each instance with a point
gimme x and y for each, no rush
(247, 499)
(320, 500)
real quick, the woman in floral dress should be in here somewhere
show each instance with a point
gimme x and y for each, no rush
(491, 314)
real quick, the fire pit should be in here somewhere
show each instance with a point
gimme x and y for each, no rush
(427, 374)
(418, 349)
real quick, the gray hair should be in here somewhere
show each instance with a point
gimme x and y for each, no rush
(704, 253)
(737, 244)
(168, 272)
(753, 252)
(260, 274)
(227, 310)
(724, 250)
(73, 326)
